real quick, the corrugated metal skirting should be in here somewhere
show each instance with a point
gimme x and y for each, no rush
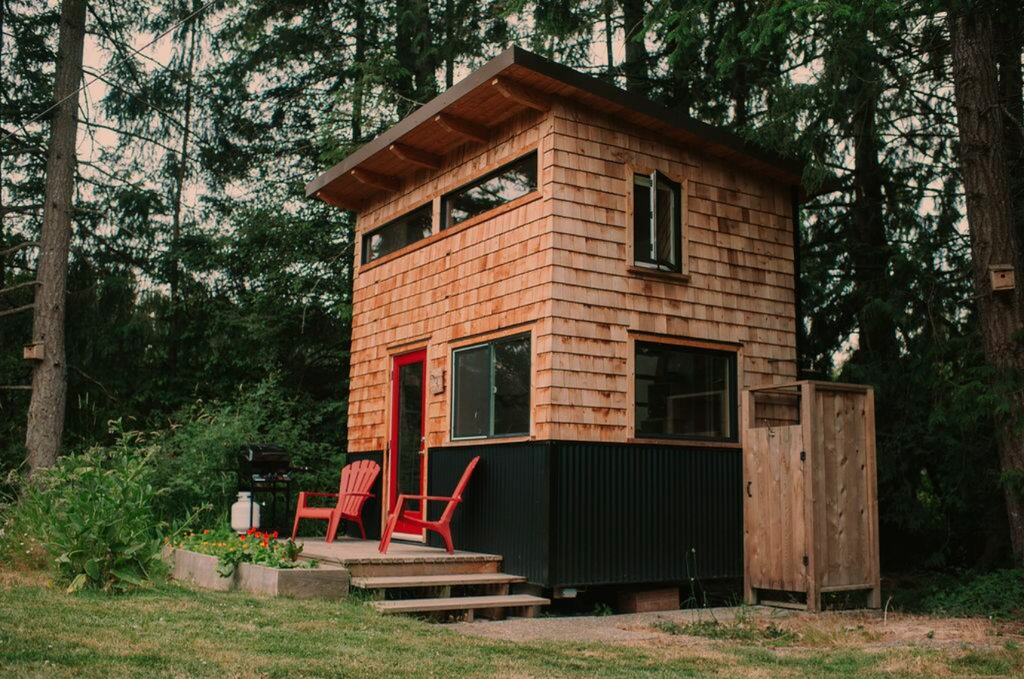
(571, 514)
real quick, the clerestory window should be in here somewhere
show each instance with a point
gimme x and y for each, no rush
(657, 222)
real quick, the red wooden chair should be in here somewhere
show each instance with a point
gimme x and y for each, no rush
(356, 480)
(441, 526)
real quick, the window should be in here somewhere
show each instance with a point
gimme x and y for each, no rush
(491, 389)
(501, 186)
(685, 392)
(398, 233)
(657, 222)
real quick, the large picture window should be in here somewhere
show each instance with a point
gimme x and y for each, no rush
(491, 389)
(657, 222)
(685, 392)
(501, 186)
(398, 233)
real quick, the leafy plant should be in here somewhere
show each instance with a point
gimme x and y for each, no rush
(93, 514)
(253, 547)
(998, 595)
(195, 460)
(741, 628)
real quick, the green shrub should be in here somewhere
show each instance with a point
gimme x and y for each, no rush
(196, 454)
(998, 595)
(93, 514)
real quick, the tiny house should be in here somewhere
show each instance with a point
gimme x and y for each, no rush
(576, 284)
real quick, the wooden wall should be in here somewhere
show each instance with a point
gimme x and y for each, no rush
(475, 279)
(739, 259)
(557, 265)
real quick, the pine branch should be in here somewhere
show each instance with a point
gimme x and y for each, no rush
(19, 246)
(16, 310)
(126, 133)
(12, 288)
(94, 381)
(15, 209)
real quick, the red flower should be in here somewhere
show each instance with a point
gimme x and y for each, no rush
(265, 543)
(242, 538)
(206, 531)
(274, 535)
(250, 531)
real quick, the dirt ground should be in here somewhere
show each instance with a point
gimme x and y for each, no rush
(865, 630)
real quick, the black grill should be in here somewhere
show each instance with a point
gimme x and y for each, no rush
(265, 469)
(264, 462)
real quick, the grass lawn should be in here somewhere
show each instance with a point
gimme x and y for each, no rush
(177, 632)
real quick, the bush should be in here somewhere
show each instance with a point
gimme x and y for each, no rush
(196, 455)
(93, 514)
(998, 595)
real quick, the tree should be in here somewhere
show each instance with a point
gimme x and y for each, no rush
(49, 377)
(987, 46)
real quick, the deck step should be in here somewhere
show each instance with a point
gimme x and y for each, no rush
(459, 603)
(451, 579)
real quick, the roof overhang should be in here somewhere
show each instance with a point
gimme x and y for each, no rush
(512, 82)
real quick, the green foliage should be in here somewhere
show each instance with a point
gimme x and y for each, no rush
(195, 455)
(998, 595)
(93, 514)
(742, 628)
(253, 547)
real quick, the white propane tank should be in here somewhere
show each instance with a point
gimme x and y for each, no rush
(240, 513)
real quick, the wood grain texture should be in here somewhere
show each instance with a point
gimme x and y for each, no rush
(558, 267)
(823, 507)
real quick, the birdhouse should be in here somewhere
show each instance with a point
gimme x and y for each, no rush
(1002, 278)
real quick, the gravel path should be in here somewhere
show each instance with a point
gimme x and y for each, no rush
(604, 628)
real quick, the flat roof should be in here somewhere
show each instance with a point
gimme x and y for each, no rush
(514, 81)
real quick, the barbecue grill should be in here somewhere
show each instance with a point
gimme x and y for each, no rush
(265, 470)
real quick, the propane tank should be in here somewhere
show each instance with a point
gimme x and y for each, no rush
(242, 510)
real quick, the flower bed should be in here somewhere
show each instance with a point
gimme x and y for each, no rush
(262, 549)
(255, 562)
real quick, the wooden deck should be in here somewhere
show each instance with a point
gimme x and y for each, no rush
(403, 558)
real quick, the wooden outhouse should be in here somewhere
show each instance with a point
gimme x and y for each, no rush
(576, 284)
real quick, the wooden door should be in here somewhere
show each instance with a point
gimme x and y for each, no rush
(774, 522)
(407, 458)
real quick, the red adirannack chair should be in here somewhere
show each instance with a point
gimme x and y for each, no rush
(356, 480)
(442, 526)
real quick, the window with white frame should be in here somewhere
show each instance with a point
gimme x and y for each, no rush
(657, 223)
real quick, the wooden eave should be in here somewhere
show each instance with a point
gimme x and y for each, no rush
(513, 82)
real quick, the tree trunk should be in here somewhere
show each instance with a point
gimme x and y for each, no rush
(181, 176)
(996, 234)
(869, 245)
(609, 34)
(635, 65)
(358, 86)
(49, 377)
(417, 58)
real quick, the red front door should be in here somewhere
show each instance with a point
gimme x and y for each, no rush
(407, 460)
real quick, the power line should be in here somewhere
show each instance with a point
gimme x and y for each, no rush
(115, 65)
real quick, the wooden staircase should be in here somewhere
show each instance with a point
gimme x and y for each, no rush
(459, 589)
(460, 586)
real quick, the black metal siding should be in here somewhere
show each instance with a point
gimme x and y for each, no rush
(643, 513)
(570, 514)
(505, 508)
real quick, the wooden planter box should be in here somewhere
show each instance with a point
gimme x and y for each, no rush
(300, 583)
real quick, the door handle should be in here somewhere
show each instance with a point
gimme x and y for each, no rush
(749, 483)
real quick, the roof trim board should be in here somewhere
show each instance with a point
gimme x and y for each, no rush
(716, 141)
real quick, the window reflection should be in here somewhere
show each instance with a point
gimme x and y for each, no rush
(510, 182)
